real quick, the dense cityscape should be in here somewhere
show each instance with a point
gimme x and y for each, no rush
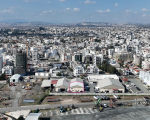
(70, 65)
(74, 59)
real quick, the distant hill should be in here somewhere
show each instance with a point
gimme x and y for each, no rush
(13, 21)
(20, 22)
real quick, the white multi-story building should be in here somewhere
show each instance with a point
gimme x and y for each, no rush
(34, 53)
(110, 52)
(97, 59)
(1, 51)
(78, 70)
(145, 77)
(92, 70)
(8, 70)
(137, 60)
(65, 57)
(54, 72)
(146, 64)
(42, 75)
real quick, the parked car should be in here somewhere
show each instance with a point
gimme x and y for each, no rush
(105, 105)
(115, 96)
(106, 97)
(97, 91)
(103, 97)
(96, 97)
(132, 84)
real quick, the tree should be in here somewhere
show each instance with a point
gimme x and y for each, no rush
(3, 77)
(82, 77)
(86, 66)
(58, 74)
(70, 69)
(62, 40)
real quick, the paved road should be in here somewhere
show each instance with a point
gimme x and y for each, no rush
(34, 107)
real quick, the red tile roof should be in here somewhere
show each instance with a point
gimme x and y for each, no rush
(124, 79)
(54, 81)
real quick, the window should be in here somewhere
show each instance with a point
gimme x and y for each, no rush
(13, 80)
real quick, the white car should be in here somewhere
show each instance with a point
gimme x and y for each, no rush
(115, 96)
(23, 87)
(132, 84)
(96, 97)
(105, 105)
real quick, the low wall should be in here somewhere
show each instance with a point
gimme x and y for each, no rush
(100, 94)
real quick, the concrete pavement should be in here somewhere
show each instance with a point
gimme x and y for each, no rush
(34, 107)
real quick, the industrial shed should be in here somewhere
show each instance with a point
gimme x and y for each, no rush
(96, 78)
(33, 116)
(46, 84)
(15, 78)
(76, 85)
(109, 85)
(62, 85)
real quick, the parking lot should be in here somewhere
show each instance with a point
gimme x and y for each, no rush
(139, 84)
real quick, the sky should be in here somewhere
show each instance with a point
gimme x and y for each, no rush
(76, 11)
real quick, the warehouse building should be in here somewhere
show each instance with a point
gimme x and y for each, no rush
(46, 84)
(15, 78)
(96, 78)
(62, 85)
(76, 85)
(109, 85)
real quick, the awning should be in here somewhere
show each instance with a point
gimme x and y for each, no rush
(115, 89)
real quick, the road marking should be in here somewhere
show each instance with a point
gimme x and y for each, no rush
(78, 112)
(81, 109)
(95, 110)
(86, 111)
(90, 109)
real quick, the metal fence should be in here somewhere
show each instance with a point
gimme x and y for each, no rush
(99, 93)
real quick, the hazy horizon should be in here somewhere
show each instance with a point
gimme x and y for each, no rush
(76, 11)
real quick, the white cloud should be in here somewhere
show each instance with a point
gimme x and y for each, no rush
(62, 0)
(89, 2)
(116, 4)
(48, 1)
(6, 11)
(128, 10)
(45, 12)
(76, 9)
(101, 11)
(144, 15)
(68, 8)
(108, 10)
(10, 10)
(135, 12)
(73, 10)
(27, 1)
(144, 9)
